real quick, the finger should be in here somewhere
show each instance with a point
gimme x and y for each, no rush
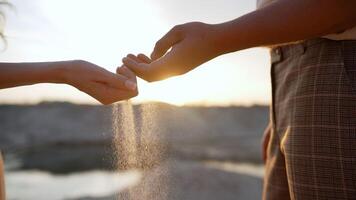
(135, 58)
(140, 69)
(144, 58)
(108, 95)
(119, 95)
(160, 69)
(166, 42)
(118, 69)
(120, 81)
(123, 70)
(170, 64)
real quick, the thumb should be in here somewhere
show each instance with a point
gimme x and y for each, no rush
(166, 42)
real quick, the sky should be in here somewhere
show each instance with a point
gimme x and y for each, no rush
(104, 31)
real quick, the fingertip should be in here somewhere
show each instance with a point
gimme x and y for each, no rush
(125, 69)
(130, 85)
(132, 66)
(127, 72)
(118, 69)
(129, 62)
(131, 56)
(154, 56)
(144, 58)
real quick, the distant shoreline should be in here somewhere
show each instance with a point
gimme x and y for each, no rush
(140, 103)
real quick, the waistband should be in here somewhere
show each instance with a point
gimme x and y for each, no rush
(279, 53)
(282, 52)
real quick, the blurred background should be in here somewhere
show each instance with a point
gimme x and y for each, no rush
(58, 142)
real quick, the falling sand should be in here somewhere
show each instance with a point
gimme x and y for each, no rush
(139, 145)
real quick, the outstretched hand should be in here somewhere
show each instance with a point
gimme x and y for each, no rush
(191, 45)
(104, 86)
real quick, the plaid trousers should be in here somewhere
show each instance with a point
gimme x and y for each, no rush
(312, 148)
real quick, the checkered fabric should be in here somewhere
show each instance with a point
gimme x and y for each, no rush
(312, 148)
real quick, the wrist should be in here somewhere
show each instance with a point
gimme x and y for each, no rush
(61, 72)
(219, 42)
(214, 40)
(228, 38)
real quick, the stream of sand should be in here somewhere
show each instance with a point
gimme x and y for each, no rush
(138, 145)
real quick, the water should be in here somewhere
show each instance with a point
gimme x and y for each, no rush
(39, 185)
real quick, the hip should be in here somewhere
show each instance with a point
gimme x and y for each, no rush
(314, 83)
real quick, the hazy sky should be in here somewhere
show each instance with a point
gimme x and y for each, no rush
(104, 31)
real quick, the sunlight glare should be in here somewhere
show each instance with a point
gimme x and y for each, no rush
(103, 32)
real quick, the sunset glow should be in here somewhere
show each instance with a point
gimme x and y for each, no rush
(104, 32)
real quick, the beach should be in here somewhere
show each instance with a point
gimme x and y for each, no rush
(210, 153)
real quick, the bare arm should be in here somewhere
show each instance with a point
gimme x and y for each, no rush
(99, 83)
(283, 21)
(287, 21)
(18, 74)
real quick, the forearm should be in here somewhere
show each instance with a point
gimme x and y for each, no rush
(19, 74)
(286, 21)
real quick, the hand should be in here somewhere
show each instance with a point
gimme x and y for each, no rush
(104, 86)
(265, 141)
(2, 181)
(191, 45)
